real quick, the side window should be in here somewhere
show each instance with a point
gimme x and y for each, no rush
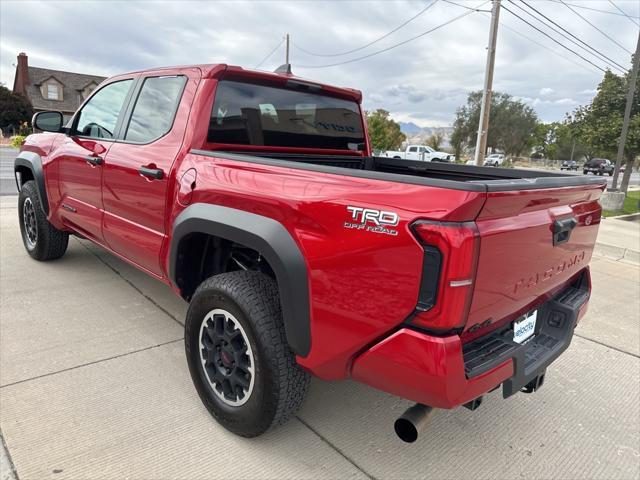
(413, 149)
(99, 116)
(155, 108)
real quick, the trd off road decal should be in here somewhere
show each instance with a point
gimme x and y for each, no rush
(372, 220)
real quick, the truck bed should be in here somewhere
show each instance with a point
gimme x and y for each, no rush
(444, 175)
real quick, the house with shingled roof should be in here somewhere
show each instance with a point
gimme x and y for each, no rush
(49, 89)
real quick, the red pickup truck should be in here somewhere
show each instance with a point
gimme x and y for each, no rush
(255, 196)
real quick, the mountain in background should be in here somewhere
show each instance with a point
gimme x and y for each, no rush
(409, 128)
(419, 135)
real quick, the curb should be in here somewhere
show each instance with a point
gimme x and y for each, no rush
(622, 254)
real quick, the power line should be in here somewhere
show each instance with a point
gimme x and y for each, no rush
(370, 43)
(556, 41)
(594, 9)
(398, 44)
(581, 65)
(477, 9)
(517, 32)
(606, 59)
(269, 54)
(624, 13)
(603, 33)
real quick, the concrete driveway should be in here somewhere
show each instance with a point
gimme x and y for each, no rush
(94, 384)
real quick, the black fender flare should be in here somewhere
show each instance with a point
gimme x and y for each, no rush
(33, 162)
(273, 241)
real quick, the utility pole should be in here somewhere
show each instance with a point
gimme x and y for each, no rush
(483, 124)
(627, 115)
(286, 50)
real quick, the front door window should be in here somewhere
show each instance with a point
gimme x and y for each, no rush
(99, 116)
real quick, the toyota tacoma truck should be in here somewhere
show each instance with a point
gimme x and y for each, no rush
(255, 197)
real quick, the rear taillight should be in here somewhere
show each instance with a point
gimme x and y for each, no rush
(448, 273)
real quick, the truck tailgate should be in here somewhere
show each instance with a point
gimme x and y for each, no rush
(531, 243)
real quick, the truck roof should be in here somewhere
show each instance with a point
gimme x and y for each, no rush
(222, 70)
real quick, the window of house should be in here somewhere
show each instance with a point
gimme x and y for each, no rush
(87, 91)
(155, 108)
(53, 91)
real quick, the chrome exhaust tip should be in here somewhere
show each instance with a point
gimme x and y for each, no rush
(412, 422)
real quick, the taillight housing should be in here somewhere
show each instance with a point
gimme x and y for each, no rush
(448, 274)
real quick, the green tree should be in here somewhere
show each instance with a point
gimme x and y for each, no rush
(511, 124)
(599, 124)
(384, 132)
(435, 140)
(14, 110)
(558, 141)
(459, 135)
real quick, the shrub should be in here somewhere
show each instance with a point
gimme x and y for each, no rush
(17, 141)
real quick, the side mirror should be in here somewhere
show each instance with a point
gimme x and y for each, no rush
(47, 121)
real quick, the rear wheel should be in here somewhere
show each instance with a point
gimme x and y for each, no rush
(238, 355)
(585, 172)
(42, 240)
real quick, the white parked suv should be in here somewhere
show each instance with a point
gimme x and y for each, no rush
(494, 160)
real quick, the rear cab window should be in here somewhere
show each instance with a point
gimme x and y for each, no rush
(259, 115)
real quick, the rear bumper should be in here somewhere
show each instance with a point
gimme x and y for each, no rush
(442, 372)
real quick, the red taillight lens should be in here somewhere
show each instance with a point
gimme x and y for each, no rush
(457, 246)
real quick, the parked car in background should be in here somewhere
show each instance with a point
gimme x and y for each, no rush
(569, 165)
(494, 160)
(422, 153)
(598, 166)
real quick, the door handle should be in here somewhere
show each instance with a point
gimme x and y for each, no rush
(155, 173)
(94, 160)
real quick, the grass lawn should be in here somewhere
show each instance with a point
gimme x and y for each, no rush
(631, 205)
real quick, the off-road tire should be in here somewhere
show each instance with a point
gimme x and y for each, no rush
(280, 385)
(50, 243)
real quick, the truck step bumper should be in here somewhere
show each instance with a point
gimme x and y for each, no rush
(442, 372)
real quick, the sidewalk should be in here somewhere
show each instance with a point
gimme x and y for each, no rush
(94, 385)
(619, 240)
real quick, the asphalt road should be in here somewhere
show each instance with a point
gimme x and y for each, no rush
(7, 180)
(633, 180)
(94, 384)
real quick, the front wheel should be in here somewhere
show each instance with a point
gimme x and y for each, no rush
(238, 355)
(42, 240)
(611, 174)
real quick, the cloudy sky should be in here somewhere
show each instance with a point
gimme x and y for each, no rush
(423, 81)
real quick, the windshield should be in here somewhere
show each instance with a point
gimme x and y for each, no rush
(248, 114)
